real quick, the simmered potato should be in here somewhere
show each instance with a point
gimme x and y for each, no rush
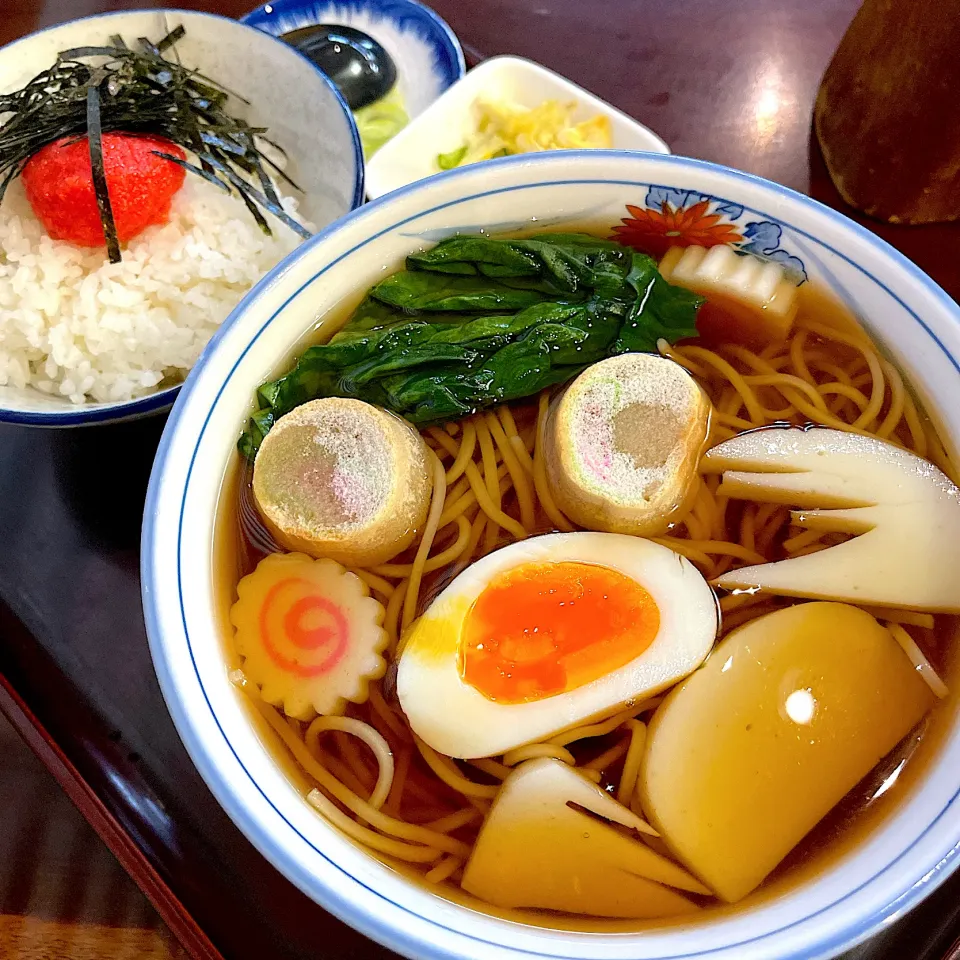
(786, 716)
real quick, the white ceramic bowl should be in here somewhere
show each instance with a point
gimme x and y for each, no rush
(446, 123)
(904, 858)
(286, 93)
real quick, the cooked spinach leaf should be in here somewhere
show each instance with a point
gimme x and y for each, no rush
(474, 322)
(414, 292)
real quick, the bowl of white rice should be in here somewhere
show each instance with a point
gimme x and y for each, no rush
(84, 340)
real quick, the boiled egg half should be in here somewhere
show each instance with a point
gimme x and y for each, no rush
(550, 633)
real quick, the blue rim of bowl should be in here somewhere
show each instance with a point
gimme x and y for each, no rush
(445, 41)
(157, 402)
(935, 870)
(90, 415)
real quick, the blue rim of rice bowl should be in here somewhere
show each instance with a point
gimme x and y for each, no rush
(339, 899)
(163, 399)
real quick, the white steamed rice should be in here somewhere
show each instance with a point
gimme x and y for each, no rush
(75, 326)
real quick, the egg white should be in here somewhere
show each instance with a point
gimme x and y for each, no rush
(457, 720)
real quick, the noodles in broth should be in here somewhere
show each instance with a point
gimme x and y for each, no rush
(388, 790)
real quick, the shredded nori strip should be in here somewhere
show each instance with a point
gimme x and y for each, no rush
(140, 91)
(95, 141)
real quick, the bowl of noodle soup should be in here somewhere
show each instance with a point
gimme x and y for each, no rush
(874, 352)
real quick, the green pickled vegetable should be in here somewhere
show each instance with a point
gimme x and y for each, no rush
(381, 121)
(474, 322)
(447, 161)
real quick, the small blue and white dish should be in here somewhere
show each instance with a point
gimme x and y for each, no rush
(424, 49)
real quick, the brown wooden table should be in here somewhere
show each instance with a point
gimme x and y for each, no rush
(726, 80)
(62, 893)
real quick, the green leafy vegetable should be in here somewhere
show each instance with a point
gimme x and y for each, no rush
(447, 161)
(475, 322)
(439, 293)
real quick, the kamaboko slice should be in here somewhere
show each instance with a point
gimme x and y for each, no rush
(749, 301)
(310, 634)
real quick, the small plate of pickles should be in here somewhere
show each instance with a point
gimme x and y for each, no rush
(507, 105)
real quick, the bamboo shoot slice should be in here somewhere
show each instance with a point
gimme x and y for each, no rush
(536, 849)
(904, 512)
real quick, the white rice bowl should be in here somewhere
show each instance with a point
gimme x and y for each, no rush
(77, 327)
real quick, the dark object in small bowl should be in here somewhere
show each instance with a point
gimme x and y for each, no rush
(362, 70)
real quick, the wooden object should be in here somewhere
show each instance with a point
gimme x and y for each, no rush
(33, 938)
(888, 114)
(62, 893)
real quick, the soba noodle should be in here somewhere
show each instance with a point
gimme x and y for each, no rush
(404, 801)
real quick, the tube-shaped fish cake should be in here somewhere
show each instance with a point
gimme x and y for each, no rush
(622, 444)
(343, 479)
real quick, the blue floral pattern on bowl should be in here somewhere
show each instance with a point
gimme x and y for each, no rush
(671, 217)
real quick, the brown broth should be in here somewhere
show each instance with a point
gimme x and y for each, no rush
(849, 825)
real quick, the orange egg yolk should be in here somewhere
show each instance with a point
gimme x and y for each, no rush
(545, 628)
